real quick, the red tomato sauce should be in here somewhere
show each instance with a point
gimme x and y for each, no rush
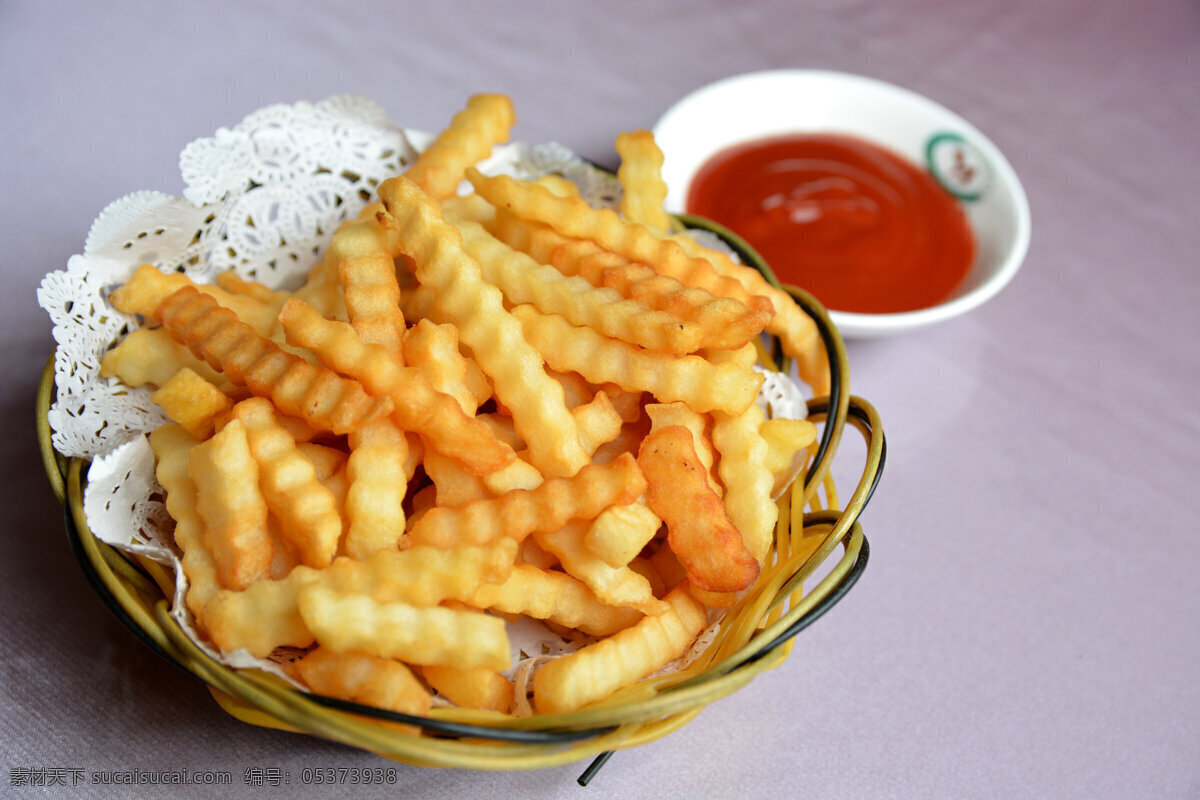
(859, 227)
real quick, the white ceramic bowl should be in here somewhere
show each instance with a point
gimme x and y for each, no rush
(760, 104)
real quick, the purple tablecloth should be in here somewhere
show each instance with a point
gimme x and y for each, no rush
(1029, 624)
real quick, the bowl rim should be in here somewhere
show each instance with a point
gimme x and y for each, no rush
(1004, 176)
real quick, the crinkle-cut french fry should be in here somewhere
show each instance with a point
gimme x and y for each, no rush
(555, 597)
(742, 467)
(368, 276)
(726, 323)
(787, 441)
(266, 616)
(378, 481)
(640, 174)
(233, 283)
(796, 330)
(620, 532)
(172, 447)
(614, 586)
(597, 670)
(470, 688)
(148, 288)
(486, 328)
(468, 139)
(523, 280)
(297, 388)
(521, 512)
(417, 406)
(361, 678)
(415, 634)
(325, 460)
(375, 473)
(151, 356)
(598, 422)
(455, 485)
(468, 208)
(573, 217)
(433, 349)
(307, 512)
(699, 531)
(663, 414)
(536, 240)
(690, 379)
(232, 507)
(563, 187)
(193, 402)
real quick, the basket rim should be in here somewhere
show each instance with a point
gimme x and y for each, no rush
(530, 742)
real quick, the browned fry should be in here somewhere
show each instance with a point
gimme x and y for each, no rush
(698, 530)
(297, 388)
(148, 287)
(521, 512)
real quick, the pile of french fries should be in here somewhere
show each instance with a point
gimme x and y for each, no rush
(478, 407)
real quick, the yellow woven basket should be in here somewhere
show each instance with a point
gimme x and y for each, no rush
(757, 634)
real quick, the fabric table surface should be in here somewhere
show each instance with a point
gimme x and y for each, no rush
(1029, 623)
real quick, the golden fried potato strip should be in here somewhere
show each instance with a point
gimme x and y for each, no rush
(172, 447)
(378, 477)
(689, 379)
(699, 531)
(640, 175)
(415, 634)
(148, 288)
(597, 670)
(573, 217)
(521, 512)
(232, 507)
(469, 139)
(266, 615)
(743, 468)
(151, 356)
(193, 402)
(368, 278)
(555, 597)
(523, 280)
(233, 283)
(361, 678)
(620, 532)
(614, 586)
(478, 687)
(486, 328)
(307, 512)
(297, 388)
(417, 406)
(787, 441)
(433, 349)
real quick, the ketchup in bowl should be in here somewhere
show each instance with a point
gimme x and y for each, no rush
(861, 228)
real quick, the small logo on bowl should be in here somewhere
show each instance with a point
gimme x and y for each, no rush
(957, 165)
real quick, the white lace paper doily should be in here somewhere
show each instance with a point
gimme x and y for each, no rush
(261, 198)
